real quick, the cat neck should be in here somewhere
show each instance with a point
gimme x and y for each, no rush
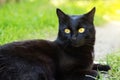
(76, 52)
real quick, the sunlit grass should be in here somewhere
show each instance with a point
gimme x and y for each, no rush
(23, 21)
(114, 62)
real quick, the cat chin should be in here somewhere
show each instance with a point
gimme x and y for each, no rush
(79, 44)
(76, 45)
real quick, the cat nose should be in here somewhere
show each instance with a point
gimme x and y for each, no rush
(74, 38)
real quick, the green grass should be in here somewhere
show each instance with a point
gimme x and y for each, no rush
(33, 19)
(27, 21)
(114, 61)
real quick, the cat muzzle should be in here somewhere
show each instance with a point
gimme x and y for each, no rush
(77, 43)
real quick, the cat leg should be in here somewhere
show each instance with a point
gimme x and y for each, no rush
(101, 67)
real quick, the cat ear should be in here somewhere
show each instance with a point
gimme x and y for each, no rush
(61, 15)
(90, 15)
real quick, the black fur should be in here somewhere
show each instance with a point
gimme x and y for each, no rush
(28, 60)
(69, 57)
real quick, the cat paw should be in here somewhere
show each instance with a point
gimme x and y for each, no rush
(105, 68)
(101, 67)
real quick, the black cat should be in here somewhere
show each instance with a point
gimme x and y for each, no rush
(76, 40)
(69, 57)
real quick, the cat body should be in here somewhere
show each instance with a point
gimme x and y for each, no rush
(69, 57)
(27, 60)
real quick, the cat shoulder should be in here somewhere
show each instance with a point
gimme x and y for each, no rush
(27, 43)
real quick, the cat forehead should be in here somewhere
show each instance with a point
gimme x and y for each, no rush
(75, 20)
(75, 17)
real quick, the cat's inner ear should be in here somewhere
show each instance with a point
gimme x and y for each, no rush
(90, 15)
(60, 14)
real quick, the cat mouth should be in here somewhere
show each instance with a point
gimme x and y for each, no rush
(77, 44)
(74, 45)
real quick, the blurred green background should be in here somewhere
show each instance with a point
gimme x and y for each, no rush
(31, 19)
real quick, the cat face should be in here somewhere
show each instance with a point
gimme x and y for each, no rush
(76, 30)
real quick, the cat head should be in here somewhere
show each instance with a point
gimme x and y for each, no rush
(76, 30)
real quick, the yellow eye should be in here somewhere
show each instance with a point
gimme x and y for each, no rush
(67, 31)
(81, 30)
